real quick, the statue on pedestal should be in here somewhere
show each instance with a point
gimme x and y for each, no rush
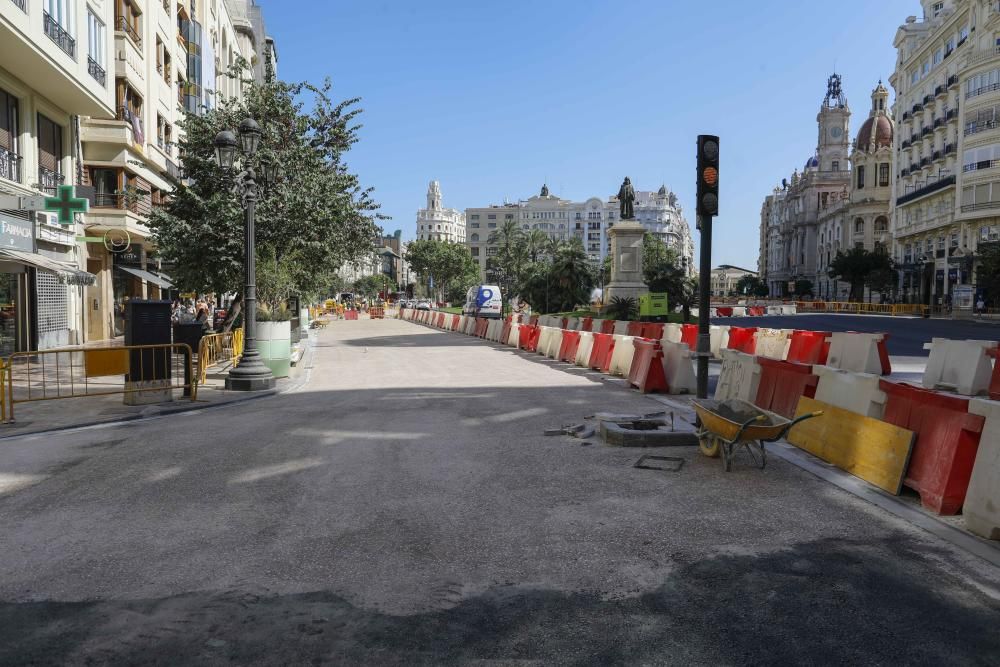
(626, 200)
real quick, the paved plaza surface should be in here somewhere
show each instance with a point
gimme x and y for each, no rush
(403, 507)
(907, 335)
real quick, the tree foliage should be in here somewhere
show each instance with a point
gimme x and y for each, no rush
(988, 271)
(449, 265)
(316, 218)
(857, 266)
(751, 286)
(663, 272)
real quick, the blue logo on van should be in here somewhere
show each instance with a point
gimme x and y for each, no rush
(484, 296)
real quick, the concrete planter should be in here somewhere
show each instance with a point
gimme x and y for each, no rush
(275, 345)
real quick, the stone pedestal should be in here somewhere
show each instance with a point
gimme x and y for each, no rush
(626, 262)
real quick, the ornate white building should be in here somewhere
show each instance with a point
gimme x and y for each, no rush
(947, 194)
(588, 220)
(438, 223)
(858, 217)
(791, 213)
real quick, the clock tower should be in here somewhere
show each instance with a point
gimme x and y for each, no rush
(834, 116)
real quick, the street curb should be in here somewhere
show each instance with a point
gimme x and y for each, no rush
(860, 489)
(193, 407)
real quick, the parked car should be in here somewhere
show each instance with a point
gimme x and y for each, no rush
(423, 304)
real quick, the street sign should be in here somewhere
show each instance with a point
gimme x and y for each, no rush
(65, 204)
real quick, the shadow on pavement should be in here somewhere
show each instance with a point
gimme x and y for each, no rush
(825, 602)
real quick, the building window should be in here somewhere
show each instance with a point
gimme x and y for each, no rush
(861, 177)
(96, 48)
(491, 225)
(50, 154)
(475, 225)
(836, 165)
(475, 216)
(881, 225)
(475, 251)
(859, 226)
(127, 15)
(883, 174)
(491, 216)
(10, 158)
(475, 237)
(491, 251)
(508, 216)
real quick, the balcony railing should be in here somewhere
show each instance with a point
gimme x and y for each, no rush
(984, 164)
(952, 113)
(983, 90)
(59, 35)
(940, 90)
(118, 200)
(926, 130)
(10, 165)
(928, 99)
(926, 161)
(904, 172)
(937, 155)
(127, 28)
(981, 206)
(918, 107)
(976, 128)
(950, 148)
(938, 122)
(97, 71)
(906, 116)
(906, 144)
(49, 180)
(939, 184)
(20, 4)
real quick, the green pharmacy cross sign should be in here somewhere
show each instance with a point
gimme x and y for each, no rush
(66, 204)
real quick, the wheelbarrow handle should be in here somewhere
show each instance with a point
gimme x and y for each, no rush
(808, 415)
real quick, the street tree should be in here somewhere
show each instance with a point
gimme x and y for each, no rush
(855, 266)
(988, 272)
(314, 219)
(507, 267)
(449, 266)
(751, 286)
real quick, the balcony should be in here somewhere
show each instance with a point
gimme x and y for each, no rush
(950, 149)
(10, 165)
(49, 180)
(952, 81)
(939, 184)
(925, 162)
(137, 204)
(906, 144)
(976, 128)
(97, 71)
(981, 55)
(979, 166)
(952, 114)
(904, 172)
(20, 5)
(981, 206)
(983, 90)
(917, 108)
(127, 28)
(59, 35)
(940, 90)
(906, 116)
(938, 123)
(926, 131)
(937, 155)
(928, 99)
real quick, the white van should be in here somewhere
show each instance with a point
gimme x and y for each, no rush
(483, 301)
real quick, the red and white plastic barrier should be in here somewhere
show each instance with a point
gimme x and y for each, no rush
(962, 366)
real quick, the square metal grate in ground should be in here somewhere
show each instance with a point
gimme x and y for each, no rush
(664, 463)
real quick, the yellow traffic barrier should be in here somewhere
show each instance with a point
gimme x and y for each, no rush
(875, 451)
(217, 348)
(64, 373)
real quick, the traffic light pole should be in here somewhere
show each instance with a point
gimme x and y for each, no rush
(704, 301)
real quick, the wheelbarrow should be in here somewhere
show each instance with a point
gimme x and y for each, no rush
(725, 426)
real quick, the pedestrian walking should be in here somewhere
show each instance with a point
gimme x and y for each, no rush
(980, 306)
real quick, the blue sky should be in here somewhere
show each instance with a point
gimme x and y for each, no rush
(493, 98)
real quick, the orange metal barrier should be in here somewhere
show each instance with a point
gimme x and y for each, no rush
(217, 348)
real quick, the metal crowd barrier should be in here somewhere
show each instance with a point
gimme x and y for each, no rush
(217, 348)
(79, 372)
(862, 308)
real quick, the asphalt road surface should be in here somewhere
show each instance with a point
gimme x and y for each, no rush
(907, 335)
(403, 508)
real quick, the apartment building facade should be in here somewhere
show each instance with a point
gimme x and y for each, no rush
(437, 223)
(169, 58)
(54, 69)
(589, 221)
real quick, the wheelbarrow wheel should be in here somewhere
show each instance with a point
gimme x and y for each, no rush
(709, 446)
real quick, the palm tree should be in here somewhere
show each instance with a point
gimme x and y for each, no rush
(507, 266)
(536, 241)
(573, 274)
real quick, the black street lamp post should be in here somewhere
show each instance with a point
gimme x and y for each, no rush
(251, 374)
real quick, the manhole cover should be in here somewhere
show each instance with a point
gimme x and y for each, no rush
(665, 463)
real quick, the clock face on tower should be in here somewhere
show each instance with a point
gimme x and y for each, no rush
(836, 132)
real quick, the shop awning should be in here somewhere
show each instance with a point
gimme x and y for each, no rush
(148, 276)
(67, 274)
